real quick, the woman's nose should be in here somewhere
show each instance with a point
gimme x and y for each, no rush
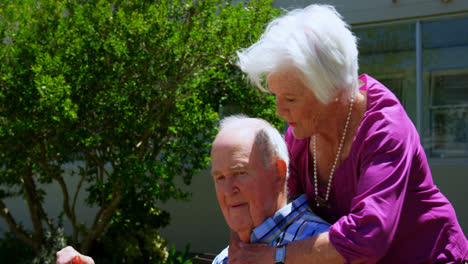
(280, 110)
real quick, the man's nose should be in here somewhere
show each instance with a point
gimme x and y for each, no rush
(230, 186)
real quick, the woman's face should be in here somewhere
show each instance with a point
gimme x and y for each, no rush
(296, 103)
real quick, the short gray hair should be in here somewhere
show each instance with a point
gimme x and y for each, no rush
(268, 139)
(316, 41)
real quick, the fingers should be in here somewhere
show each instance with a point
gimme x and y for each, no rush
(76, 260)
(234, 236)
(68, 255)
(251, 253)
(234, 243)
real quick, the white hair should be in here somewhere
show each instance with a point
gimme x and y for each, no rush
(269, 141)
(316, 41)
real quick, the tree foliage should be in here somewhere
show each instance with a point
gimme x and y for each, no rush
(126, 92)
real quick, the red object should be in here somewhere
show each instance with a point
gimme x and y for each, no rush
(76, 260)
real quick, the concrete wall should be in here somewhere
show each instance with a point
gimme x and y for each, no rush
(452, 180)
(52, 205)
(199, 222)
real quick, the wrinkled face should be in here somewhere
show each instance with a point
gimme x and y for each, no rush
(247, 192)
(296, 103)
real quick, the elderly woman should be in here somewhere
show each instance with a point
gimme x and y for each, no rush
(353, 151)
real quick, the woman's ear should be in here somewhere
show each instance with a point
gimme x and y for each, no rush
(281, 168)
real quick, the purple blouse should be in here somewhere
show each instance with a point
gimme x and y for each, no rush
(384, 206)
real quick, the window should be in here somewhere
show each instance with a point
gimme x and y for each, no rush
(388, 53)
(445, 93)
(395, 84)
(449, 114)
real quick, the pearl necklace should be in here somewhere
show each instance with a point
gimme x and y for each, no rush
(321, 202)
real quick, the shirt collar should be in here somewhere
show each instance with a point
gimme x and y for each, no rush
(267, 231)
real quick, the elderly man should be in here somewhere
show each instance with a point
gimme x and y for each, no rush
(250, 167)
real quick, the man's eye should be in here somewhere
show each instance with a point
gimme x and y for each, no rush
(291, 100)
(220, 178)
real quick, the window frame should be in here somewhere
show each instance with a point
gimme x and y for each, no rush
(421, 78)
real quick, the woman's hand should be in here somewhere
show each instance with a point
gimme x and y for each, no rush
(243, 253)
(69, 255)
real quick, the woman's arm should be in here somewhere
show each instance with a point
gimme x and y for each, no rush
(317, 249)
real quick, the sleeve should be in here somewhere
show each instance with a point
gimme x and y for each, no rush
(384, 168)
(311, 229)
(294, 181)
(222, 257)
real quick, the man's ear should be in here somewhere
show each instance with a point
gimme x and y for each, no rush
(281, 168)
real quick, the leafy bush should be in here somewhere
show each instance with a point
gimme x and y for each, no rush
(125, 91)
(138, 241)
(178, 257)
(53, 242)
(14, 250)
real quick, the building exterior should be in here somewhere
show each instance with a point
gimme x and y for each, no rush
(418, 49)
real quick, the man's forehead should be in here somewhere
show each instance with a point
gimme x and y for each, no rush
(230, 157)
(235, 166)
(232, 148)
(230, 134)
(236, 142)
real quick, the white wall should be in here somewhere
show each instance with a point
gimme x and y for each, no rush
(52, 205)
(198, 222)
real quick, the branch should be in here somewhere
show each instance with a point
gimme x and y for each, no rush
(101, 224)
(101, 170)
(63, 186)
(97, 160)
(34, 206)
(75, 198)
(143, 141)
(98, 216)
(49, 222)
(20, 233)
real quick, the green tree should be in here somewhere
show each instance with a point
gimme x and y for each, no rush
(125, 92)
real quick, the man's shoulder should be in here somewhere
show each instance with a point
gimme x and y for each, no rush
(309, 216)
(303, 212)
(306, 224)
(222, 257)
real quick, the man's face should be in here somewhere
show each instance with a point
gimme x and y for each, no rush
(247, 192)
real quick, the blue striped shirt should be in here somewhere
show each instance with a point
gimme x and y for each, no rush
(295, 221)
